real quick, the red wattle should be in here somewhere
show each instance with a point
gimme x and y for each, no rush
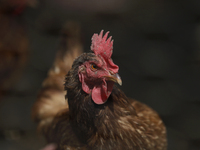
(85, 87)
(101, 92)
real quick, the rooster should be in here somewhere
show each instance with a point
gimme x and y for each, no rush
(95, 114)
(14, 43)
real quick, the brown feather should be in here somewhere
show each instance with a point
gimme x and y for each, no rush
(50, 99)
(120, 123)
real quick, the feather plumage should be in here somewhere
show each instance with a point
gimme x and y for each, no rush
(119, 123)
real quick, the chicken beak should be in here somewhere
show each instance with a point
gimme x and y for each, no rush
(115, 78)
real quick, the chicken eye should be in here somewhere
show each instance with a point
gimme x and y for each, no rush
(93, 66)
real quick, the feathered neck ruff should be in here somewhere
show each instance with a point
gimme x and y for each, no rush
(83, 111)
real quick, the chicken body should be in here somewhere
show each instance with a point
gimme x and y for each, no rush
(13, 51)
(119, 123)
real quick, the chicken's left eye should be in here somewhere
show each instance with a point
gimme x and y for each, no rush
(93, 66)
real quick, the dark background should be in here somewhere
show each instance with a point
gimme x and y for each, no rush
(156, 45)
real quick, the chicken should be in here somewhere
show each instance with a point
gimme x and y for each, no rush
(15, 7)
(14, 43)
(51, 97)
(13, 51)
(97, 115)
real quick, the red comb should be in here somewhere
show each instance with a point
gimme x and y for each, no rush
(101, 46)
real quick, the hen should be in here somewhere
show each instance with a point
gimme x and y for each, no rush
(96, 115)
(13, 45)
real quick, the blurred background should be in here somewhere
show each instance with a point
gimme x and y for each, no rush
(156, 45)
